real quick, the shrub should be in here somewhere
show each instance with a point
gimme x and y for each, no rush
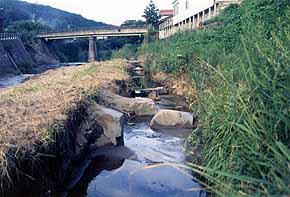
(26, 67)
(128, 51)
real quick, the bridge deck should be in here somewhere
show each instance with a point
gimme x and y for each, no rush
(85, 33)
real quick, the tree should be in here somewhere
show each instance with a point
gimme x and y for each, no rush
(133, 23)
(27, 29)
(151, 14)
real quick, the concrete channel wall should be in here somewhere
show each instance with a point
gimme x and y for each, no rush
(17, 51)
(6, 65)
(12, 55)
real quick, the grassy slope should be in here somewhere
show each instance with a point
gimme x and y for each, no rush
(29, 108)
(242, 72)
(35, 112)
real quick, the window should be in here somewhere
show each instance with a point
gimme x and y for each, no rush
(186, 4)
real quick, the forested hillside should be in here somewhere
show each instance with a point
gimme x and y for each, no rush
(29, 19)
(15, 10)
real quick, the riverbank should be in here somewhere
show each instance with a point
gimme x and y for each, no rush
(38, 120)
(62, 128)
(240, 71)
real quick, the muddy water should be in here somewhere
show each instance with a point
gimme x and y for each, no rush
(146, 166)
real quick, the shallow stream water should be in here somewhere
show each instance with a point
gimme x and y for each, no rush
(12, 80)
(147, 166)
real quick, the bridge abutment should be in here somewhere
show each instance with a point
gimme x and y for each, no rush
(92, 49)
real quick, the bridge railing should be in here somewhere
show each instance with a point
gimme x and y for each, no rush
(93, 28)
(9, 36)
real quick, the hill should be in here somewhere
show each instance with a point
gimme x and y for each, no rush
(19, 17)
(16, 10)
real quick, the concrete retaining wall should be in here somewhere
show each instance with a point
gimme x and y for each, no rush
(6, 66)
(17, 51)
(15, 56)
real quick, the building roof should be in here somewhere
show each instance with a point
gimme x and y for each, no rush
(166, 12)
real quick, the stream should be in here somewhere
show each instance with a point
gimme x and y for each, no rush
(147, 166)
(150, 164)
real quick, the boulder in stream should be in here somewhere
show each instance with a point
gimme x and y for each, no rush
(174, 102)
(112, 123)
(100, 127)
(171, 119)
(136, 106)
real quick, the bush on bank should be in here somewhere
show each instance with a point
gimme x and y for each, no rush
(126, 52)
(241, 69)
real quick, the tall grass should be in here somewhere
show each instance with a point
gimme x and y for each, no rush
(126, 52)
(242, 72)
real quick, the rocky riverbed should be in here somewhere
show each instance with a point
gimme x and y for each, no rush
(152, 161)
(105, 143)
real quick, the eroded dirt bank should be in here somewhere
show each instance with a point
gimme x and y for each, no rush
(50, 122)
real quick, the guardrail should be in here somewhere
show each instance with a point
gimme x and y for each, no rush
(9, 36)
(93, 28)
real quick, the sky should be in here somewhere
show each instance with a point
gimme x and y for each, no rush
(109, 11)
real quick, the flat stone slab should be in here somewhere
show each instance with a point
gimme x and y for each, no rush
(137, 106)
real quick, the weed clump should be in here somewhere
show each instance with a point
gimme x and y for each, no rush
(241, 71)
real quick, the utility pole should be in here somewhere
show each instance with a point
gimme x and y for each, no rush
(34, 12)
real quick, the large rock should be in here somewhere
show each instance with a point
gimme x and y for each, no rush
(174, 102)
(136, 106)
(112, 123)
(171, 119)
(100, 127)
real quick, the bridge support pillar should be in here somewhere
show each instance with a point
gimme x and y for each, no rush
(92, 49)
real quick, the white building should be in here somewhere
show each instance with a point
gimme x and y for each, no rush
(190, 14)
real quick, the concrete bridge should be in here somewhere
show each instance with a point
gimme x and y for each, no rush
(92, 34)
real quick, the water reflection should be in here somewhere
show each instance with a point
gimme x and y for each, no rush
(98, 165)
(139, 179)
(152, 171)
